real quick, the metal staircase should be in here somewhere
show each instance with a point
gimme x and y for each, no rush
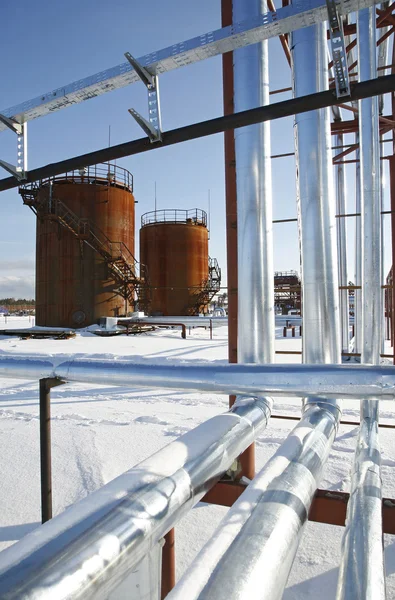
(207, 290)
(130, 277)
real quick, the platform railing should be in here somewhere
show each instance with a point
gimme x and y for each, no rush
(194, 216)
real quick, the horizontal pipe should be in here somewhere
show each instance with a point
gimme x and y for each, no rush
(333, 381)
(188, 321)
(278, 110)
(251, 553)
(86, 551)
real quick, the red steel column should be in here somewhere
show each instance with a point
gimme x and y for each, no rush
(168, 565)
(247, 459)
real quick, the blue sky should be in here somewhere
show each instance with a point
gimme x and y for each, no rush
(49, 44)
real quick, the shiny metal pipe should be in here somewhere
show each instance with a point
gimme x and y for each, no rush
(362, 568)
(383, 57)
(342, 381)
(90, 548)
(251, 553)
(358, 254)
(188, 321)
(316, 201)
(254, 199)
(342, 249)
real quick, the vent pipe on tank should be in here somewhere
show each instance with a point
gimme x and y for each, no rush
(362, 566)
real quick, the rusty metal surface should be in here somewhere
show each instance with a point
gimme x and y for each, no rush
(168, 564)
(328, 506)
(176, 255)
(73, 285)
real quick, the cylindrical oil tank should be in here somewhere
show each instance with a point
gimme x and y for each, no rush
(85, 219)
(174, 249)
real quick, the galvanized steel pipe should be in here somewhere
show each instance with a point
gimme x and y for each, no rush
(316, 201)
(326, 381)
(254, 199)
(358, 253)
(251, 553)
(362, 568)
(90, 548)
(342, 249)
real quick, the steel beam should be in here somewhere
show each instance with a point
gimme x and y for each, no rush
(329, 506)
(278, 110)
(265, 26)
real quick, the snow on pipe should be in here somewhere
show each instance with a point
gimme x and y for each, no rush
(362, 567)
(252, 551)
(342, 249)
(324, 381)
(90, 548)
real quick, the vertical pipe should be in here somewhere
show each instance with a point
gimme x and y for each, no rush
(382, 222)
(342, 249)
(392, 291)
(45, 450)
(362, 568)
(358, 265)
(254, 202)
(254, 194)
(247, 459)
(316, 202)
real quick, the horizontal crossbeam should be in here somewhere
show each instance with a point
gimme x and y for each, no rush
(365, 89)
(271, 24)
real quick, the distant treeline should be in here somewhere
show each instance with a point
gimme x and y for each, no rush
(19, 302)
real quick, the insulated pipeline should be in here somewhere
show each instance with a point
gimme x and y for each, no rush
(90, 548)
(325, 381)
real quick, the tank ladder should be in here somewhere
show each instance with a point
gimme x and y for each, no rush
(131, 278)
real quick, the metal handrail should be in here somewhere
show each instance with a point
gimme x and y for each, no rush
(194, 216)
(101, 174)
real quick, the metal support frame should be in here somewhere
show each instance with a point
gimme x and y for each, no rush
(18, 171)
(278, 110)
(265, 26)
(339, 54)
(152, 127)
(45, 445)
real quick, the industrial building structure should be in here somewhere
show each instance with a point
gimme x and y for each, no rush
(287, 291)
(251, 553)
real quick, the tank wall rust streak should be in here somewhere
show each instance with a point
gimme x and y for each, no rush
(176, 255)
(73, 285)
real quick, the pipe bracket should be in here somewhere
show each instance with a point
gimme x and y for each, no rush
(339, 54)
(152, 127)
(18, 171)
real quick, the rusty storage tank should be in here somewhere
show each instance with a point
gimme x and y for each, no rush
(174, 248)
(85, 240)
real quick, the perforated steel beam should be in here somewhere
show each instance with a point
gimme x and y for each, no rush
(271, 24)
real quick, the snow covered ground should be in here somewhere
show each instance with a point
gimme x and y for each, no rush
(99, 432)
